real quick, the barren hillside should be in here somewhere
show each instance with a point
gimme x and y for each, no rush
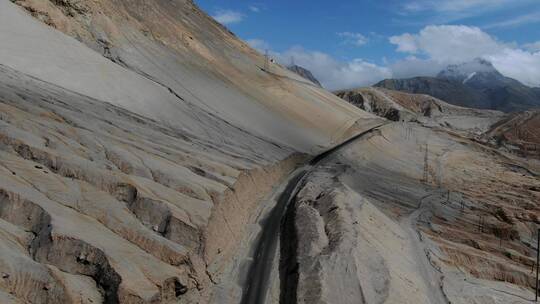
(428, 110)
(170, 52)
(517, 133)
(148, 156)
(412, 215)
(137, 148)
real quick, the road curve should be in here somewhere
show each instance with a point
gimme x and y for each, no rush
(256, 288)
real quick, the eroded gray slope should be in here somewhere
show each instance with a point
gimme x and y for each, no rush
(94, 189)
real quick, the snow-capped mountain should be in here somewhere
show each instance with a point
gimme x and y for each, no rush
(469, 71)
(479, 74)
(472, 84)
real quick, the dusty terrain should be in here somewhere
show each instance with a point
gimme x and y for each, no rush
(384, 221)
(135, 154)
(191, 68)
(517, 133)
(146, 157)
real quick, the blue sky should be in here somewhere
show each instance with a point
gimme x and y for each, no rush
(355, 43)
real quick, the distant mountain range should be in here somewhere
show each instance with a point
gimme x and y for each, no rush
(476, 84)
(304, 73)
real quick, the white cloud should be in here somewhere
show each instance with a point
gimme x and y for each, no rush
(406, 43)
(428, 52)
(518, 64)
(533, 47)
(414, 67)
(356, 39)
(227, 17)
(448, 43)
(446, 11)
(445, 44)
(452, 6)
(258, 44)
(335, 74)
(254, 8)
(515, 22)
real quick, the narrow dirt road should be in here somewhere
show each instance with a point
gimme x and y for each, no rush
(427, 271)
(258, 276)
(259, 272)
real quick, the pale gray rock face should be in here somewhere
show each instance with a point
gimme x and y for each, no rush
(87, 180)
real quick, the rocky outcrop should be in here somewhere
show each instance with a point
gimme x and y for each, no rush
(323, 267)
(424, 109)
(367, 100)
(305, 74)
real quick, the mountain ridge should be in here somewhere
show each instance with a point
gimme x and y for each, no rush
(305, 73)
(475, 84)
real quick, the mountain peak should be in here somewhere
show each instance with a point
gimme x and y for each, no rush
(305, 73)
(472, 84)
(467, 71)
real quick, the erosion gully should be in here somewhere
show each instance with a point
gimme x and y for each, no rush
(258, 274)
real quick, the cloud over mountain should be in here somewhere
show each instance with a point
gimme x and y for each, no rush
(333, 73)
(447, 44)
(427, 52)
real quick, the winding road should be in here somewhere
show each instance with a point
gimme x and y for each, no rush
(258, 274)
